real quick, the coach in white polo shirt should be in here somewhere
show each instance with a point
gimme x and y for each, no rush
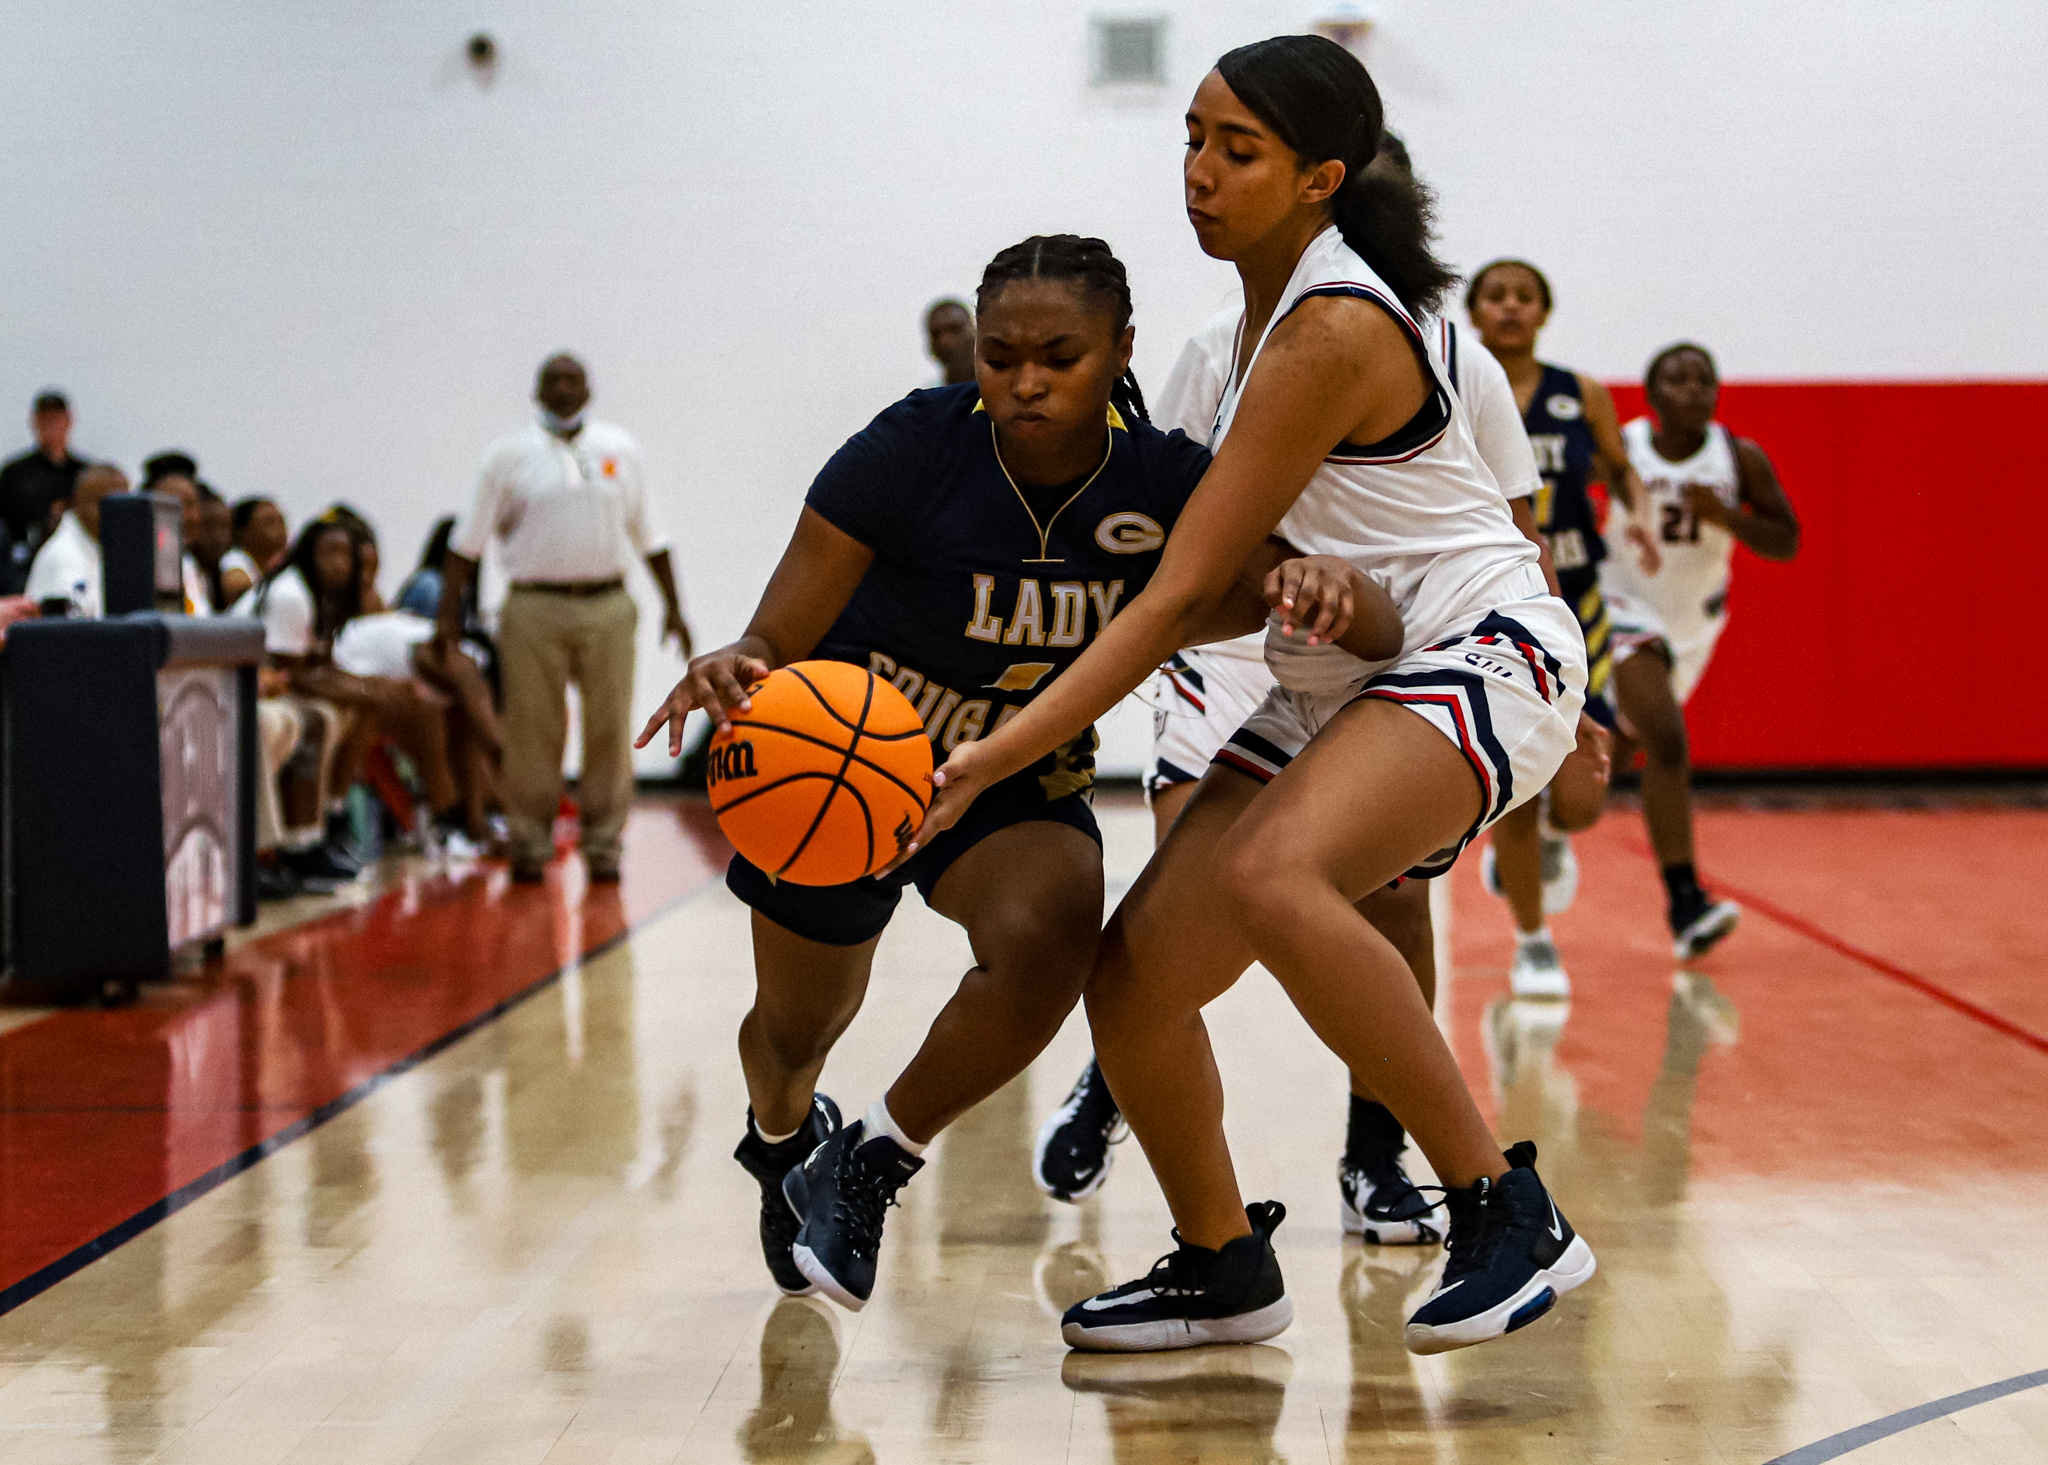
(566, 499)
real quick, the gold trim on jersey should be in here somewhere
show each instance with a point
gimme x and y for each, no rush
(1115, 420)
(1593, 623)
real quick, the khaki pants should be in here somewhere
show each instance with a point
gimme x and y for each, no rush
(545, 642)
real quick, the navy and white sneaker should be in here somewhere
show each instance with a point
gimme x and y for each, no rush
(768, 1164)
(1072, 1157)
(1512, 1254)
(1379, 1202)
(843, 1192)
(1698, 931)
(1192, 1296)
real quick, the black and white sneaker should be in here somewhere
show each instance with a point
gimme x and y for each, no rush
(768, 1164)
(1192, 1296)
(842, 1192)
(1695, 932)
(1072, 1158)
(1379, 1202)
(1512, 1254)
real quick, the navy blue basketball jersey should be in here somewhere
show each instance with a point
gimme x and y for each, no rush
(982, 590)
(1556, 423)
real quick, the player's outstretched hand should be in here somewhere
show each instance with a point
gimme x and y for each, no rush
(1314, 593)
(718, 683)
(957, 784)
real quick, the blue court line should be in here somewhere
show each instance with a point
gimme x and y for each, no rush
(79, 1258)
(1835, 1446)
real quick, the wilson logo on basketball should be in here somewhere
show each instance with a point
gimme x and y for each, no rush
(1129, 533)
(734, 760)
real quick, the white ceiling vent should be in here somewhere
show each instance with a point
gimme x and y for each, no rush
(1128, 51)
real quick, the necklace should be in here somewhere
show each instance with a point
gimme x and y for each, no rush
(1045, 529)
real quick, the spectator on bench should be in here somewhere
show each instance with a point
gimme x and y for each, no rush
(399, 645)
(261, 538)
(210, 550)
(304, 604)
(66, 578)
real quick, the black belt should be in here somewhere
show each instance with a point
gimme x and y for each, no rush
(570, 587)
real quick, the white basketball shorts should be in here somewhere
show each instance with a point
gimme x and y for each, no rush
(1637, 624)
(1506, 693)
(1199, 698)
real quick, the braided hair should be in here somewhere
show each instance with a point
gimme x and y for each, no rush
(1089, 264)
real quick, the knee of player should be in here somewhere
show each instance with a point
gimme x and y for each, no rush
(1041, 946)
(794, 1042)
(1664, 743)
(1260, 879)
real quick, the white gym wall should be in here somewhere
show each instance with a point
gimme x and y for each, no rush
(302, 241)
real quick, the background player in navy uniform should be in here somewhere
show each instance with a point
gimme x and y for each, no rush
(1576, 436)
(965, 546)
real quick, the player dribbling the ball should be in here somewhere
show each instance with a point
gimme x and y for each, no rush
(965, 546)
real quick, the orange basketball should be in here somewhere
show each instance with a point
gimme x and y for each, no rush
(825, 777)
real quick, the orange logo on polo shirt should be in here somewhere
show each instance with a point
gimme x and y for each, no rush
(610, 467)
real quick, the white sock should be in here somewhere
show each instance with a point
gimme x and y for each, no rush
(881, 1121)
(1530, 938)
(773, 1139)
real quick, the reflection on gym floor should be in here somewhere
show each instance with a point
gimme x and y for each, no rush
(534, 1245)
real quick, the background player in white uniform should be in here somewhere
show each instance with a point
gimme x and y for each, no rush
(1204, 694)
(1705, 491)
(1337, 432)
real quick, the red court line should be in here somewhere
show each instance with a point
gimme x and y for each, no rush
(112, 1120)
(1800, 925)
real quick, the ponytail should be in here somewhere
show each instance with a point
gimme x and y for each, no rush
(1321, 102)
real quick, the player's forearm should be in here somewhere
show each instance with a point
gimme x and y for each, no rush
(1627, 486)
(1768, 538)
(1376, 632)
(663, 570)
(457, 571)
(758, 647)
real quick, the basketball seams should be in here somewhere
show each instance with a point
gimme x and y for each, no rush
(825, 709)
(830, 711)
(838, 780)
(766, 788)
(839, 717)
(801, 736)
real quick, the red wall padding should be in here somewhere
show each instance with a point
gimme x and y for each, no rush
(1903, 634)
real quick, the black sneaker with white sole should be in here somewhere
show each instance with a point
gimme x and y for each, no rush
(1698, 929)
(768, 1164)
(843, 1192)
(1511, 1255)
(1379, 1202)
(1192, 1296)
(1072, 1158)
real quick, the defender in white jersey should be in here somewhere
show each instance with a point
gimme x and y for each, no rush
(1705, 491)
(1338, 433)
(1203, 695)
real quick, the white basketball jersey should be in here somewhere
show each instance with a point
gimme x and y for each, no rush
(1420, 513)
(1690, 588)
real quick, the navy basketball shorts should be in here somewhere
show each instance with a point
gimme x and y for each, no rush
(1506, 693)
(848, 915)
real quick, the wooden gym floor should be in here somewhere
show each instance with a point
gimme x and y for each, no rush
(444, 1176)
